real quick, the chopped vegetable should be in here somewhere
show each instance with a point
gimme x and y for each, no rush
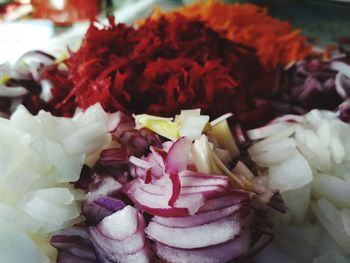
(37, 168)
(307, 159)
(277, 43)
(120, 237)
(159, 68)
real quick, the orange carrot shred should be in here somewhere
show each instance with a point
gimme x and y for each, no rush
(275, 41)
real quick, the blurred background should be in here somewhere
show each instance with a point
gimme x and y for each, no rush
(52, 25)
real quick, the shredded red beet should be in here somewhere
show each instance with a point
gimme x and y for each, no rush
(160, 68)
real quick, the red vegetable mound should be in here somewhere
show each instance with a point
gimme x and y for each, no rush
(160, 68)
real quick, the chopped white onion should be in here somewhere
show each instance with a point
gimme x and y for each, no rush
(40, 156)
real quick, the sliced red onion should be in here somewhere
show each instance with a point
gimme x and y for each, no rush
(157, 159)
(145, 165)
(194, 201)
(197, 219)
(73, 245)
(215, 254)
(178, 156)
(176, 188)
(191, 178)
(138, 141)
(88, 179)
(100, 208)
(232, 198)
(176, 161)
(205, 235)
(115, 157)
(107, 245)
(66, 257)
(107, 186)
(151, 203)
(121, 238)
(212, 189)
(110, 203)
(29, 65)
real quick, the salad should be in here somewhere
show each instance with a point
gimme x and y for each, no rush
(179, 139)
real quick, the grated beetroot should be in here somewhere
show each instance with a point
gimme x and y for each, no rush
(160, 68)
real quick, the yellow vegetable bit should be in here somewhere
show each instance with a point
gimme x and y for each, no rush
(162, 126)
(4, 78)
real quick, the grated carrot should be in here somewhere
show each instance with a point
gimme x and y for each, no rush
(275, 41)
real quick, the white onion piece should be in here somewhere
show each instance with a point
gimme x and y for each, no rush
(298, 242)
(314, 117)
(337, 149)
(345, 219)
(17, 247)
(277, 153)
(298, 201)
(12, 92)
(328, 215)
(12, 216)
(31, 148)
(331, 256)
(201, 155)
(223, 135)
(46, 87)
(324, 132)
(341, 67)
(268, 130)
(87, 139)
(291, 174)
(333, 189)
(272, 254)
(195, 237)
(339, 85)
(193, 126)
(94, 113)
(221, 119)
(322, 143)
(68, 169)
(314, 144)
(186, 113)
(52, 207)
(289, 118)
(280, 145)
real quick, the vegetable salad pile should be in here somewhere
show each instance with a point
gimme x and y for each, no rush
(181, 138)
